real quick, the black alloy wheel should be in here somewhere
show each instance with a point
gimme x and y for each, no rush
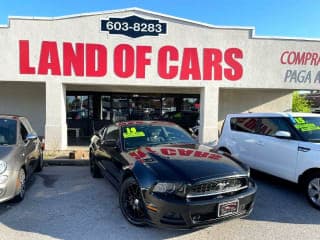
(312, 189)
(40, 162)
(131, 202)
(94, 169)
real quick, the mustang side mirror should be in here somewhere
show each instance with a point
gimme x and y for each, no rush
(282, 134)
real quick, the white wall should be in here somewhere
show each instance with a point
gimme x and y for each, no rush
(26, 99)
(261, 61)
(253, 100)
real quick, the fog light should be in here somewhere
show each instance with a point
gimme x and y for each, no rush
(3, 179)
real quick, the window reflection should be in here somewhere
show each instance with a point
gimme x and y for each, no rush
(90, 111)
(78, 107)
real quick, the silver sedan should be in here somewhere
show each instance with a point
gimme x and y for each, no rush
(20, 156)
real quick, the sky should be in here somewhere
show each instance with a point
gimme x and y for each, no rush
(286, 18)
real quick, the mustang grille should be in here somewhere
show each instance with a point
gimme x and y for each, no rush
(218, 186)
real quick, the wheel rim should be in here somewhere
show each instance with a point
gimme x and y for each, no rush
(314, 191)
(132, 202)
(22, 183)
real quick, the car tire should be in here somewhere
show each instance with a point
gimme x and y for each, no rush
(40, 165)
(94, 169)
(312, 189)
(21, 182)
(131, 202)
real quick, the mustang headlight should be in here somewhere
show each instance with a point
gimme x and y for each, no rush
(3, 166)
(169, 187)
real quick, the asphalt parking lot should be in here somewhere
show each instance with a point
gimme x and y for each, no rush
(64, 202)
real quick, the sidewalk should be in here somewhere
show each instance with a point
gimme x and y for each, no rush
(75, 157)
(66, 162)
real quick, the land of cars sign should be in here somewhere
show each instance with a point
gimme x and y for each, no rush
(133, 26)
(127, 61)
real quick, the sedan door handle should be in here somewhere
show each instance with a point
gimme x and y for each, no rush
(303, 149)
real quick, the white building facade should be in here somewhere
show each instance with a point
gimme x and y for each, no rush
(141, 52)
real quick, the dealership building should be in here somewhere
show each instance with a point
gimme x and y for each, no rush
(73, 74)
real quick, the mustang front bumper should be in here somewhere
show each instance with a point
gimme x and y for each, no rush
(164, 211)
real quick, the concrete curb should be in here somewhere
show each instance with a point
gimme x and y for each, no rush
(66, 162)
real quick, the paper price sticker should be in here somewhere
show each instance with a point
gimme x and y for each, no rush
(133, 133)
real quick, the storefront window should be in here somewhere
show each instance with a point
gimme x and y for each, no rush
(145, 107)
(168, 105)
(190, 104)
(78, 107)
(90, 111)
(106, 111)
(120, 108)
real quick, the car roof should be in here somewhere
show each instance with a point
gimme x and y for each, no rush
(275, 114)
(142, 122)
(10, 116)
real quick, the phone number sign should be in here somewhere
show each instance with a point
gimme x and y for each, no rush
(133, 26)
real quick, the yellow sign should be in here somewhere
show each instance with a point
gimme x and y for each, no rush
(303, 126)
(133, 133)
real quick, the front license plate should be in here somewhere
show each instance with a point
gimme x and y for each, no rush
(228, 208)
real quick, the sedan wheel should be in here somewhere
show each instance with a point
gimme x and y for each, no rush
(131, 202)
(21, 186)
(313, 190)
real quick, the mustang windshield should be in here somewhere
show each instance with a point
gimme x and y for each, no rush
(308, 127)
(135, 136)
(8, 131)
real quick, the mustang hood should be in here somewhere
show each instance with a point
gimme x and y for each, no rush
(186, 164)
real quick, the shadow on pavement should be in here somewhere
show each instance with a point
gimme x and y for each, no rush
(281, 201)
(64, 202)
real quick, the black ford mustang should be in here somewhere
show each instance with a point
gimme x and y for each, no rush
(166, 179)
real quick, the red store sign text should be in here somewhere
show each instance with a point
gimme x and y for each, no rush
(92, 60)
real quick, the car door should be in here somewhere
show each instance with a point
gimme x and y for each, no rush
(111, 153)
(274, 155)
(242, 138)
